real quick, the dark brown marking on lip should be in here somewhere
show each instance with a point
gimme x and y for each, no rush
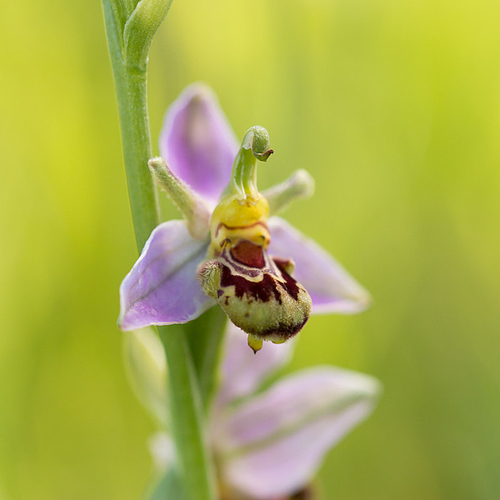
(248, 254)
(284, 331)
(263, 290)
(290, 284)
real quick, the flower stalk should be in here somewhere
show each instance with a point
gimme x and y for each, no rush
(130, 27)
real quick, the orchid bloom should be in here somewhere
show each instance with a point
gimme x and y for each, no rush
(230, 249)
(267, 444)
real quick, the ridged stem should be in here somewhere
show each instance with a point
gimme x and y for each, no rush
(130, 75)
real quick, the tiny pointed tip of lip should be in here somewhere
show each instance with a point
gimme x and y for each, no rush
(254, 343)
(255, 351)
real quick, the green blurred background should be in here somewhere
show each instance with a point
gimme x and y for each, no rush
(394, 107)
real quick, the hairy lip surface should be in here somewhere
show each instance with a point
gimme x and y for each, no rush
(262, 290)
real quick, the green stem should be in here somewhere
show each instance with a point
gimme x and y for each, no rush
(131, 88)
(131, 92)
(195, 466)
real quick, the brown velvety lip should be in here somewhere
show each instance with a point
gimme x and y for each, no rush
(249, 254)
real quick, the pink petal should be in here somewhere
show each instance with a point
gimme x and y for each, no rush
(273, 445)
(161, 288)
(197, 142)
(242, 370)
(331, 287)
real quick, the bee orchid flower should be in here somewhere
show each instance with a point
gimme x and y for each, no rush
(230, 248)
(268, 439)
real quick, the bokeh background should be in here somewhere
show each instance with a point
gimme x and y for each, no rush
(394, 107)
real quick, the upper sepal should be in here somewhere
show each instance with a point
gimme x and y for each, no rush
(198, 143)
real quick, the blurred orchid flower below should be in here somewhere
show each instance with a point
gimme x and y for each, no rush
(267, 443)
(264, 273)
